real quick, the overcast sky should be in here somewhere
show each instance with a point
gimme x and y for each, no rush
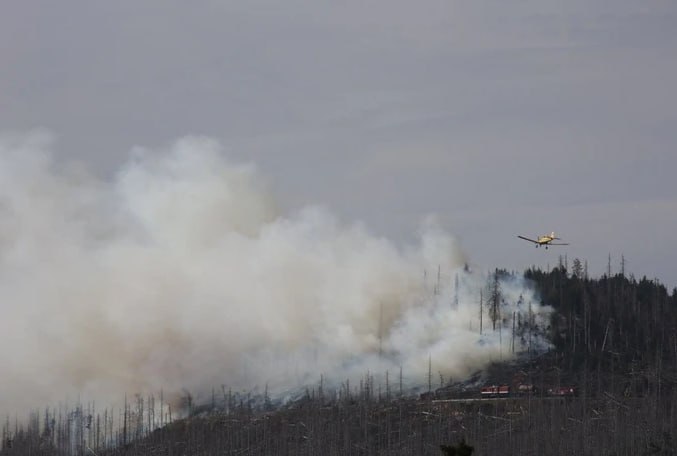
(501, 118)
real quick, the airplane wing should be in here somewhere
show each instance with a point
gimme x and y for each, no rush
(527, 239)
(558, 244)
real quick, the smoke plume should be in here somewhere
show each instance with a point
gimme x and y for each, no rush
(180, 273)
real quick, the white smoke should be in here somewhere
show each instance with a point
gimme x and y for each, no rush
(180, 273)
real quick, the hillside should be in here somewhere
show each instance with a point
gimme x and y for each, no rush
(613, 338)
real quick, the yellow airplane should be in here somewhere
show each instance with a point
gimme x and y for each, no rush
(545, 240)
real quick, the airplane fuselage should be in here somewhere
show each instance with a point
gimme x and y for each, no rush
(545, 240)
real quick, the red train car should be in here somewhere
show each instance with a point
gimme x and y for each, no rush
(562, 391)
(495, 391)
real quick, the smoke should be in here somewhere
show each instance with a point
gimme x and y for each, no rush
(180, 273)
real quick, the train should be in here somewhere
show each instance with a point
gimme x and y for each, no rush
(524, 389)
(495, 391)
(562, 391)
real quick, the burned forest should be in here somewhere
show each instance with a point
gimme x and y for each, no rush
(605, 385)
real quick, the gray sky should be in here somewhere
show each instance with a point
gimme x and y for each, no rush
(501, 118)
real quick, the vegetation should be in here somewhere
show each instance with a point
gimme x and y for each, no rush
(614, 338)
(462, 449)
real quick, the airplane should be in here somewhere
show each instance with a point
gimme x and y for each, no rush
(545, 240)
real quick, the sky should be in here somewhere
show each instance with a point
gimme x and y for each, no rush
(496, 118)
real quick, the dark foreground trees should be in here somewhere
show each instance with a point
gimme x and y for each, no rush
(462, 449)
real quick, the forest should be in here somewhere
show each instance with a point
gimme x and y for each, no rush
(613, 338)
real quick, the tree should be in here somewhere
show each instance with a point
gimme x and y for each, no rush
(577, 269)
(462, 449)
(495, 300)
